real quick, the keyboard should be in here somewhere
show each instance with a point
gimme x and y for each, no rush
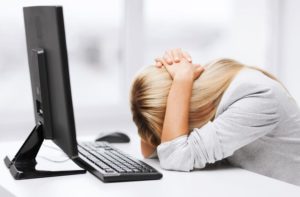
(109, 164)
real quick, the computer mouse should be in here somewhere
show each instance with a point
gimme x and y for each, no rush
(113, 137)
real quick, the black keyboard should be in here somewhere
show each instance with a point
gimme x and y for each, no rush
(111, 165)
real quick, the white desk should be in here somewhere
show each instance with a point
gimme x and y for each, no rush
(219, 182)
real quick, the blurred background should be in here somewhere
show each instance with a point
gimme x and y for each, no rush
(109, 41)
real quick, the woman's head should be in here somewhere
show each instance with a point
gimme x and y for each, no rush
(150, 90)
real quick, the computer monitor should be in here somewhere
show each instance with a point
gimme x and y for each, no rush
(45, 36)
(51, 92)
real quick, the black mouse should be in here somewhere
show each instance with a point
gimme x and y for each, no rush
(113, 137)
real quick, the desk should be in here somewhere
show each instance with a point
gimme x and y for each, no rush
(218, 182)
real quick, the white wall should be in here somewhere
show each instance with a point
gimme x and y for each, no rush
(289, 46)
(249, 32)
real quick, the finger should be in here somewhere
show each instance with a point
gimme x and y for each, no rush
(200, 68)
(187, 56)
(168, 57)
(176, 55)
(162, 61)
(158, 64)
(198, 71)
(197, 65)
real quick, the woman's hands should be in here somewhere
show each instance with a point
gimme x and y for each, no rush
(179, 65)
(184, 70)
(172, 56)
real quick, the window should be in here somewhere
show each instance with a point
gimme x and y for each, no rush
(108, 41)
(207, 29)
(93, 33)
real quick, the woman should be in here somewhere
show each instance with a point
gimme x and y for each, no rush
(193, 115)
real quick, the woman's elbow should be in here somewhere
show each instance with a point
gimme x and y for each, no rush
(175, 165)
(176, 155)
(177, 160)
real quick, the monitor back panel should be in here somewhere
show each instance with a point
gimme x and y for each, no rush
(44, 28)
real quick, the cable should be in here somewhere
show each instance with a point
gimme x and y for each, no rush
(52, 147)
(55, 161)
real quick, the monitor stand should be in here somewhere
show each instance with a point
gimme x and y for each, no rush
(23, 164)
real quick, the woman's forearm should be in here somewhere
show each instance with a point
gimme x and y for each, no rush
(177, 112)
(176, 122)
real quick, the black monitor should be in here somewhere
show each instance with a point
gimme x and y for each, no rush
(51, 92)
(45, 36)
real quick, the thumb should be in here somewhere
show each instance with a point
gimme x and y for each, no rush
(198, 71)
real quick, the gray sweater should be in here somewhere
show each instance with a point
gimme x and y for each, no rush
(257, 127)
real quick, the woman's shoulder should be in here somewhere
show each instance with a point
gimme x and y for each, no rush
(249, 83)
(250, 79)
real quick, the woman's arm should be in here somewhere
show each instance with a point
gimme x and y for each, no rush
(178, 103)
(177, 111)
(251, 112)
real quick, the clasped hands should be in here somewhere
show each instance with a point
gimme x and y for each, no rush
(179, 65)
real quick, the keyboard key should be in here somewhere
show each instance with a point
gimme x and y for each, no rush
(109, 170)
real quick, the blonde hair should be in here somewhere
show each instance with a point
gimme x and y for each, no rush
(151, 87)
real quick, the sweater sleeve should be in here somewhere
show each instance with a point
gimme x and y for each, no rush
(243, 122)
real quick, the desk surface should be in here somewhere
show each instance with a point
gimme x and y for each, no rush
(210, 182)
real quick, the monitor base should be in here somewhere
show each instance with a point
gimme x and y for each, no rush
(22, 166)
